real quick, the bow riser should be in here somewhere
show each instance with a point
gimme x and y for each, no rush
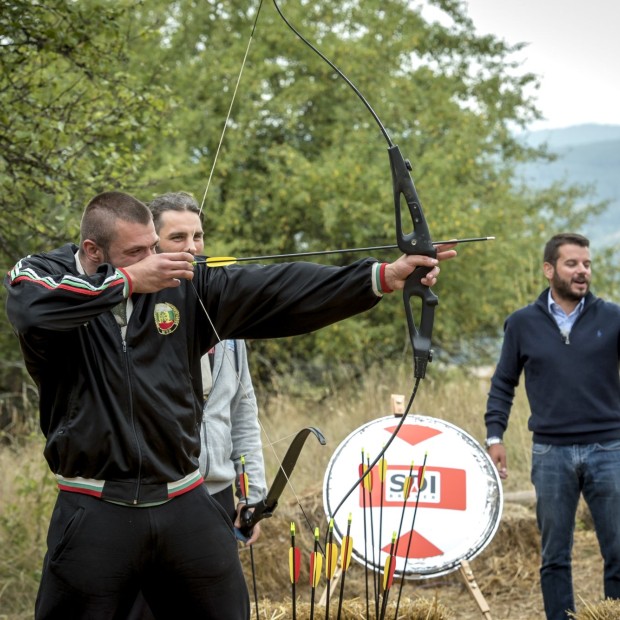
(416, 242)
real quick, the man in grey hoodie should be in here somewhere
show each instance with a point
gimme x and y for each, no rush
(230, 429)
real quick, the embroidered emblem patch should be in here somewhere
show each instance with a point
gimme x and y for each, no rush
(166, 317)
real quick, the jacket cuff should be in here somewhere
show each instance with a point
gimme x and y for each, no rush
(128, 287)
(379, 284)
(495, 430)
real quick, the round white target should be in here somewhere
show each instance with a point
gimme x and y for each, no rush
(451, 518)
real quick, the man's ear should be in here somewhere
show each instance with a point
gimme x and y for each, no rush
(92, 252)
(548, 270)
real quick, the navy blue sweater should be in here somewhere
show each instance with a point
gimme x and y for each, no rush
(573, 388)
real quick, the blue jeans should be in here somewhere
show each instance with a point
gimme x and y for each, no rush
(560, 474)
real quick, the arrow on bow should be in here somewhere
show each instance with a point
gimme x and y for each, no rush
(224, 261)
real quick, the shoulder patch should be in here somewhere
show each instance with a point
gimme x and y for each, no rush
(167, 318)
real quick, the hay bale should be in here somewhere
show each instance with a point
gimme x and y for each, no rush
(412, 609)
(606, 610)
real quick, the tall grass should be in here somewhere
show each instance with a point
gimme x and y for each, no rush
(456, 396)
(27, 494)
(27, 488)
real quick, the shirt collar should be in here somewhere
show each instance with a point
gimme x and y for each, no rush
(555, 308)
(78, 264)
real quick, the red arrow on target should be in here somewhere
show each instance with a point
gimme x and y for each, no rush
(420, 546)
(414, 433)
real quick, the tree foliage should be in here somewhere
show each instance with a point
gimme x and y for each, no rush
(72, 117)
(302, 165)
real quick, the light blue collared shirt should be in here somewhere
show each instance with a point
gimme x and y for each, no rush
(565, 321)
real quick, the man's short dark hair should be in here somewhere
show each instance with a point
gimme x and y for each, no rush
(101, 213)
(552, 247)
(173, 201)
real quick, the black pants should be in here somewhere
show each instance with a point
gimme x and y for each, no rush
(182, 555)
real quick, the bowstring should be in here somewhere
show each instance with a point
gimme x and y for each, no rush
(230, 107)
(270, 443)
(390, 144)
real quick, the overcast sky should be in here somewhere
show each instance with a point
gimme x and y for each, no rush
(574, 47)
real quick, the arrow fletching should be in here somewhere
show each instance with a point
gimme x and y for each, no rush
(363, 468)
(421, 472)
(331, 553)
(294, 563)
(244, 483)
(390, 567)
(331, 559)
(316, 561)
(316, 566)
(382, 469)
(294, 557)
(408, 484)
(216, 261)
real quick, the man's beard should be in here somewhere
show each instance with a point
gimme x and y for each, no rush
(563, 289)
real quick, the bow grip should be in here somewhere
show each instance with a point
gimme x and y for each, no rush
(420, 338)
(251, 514)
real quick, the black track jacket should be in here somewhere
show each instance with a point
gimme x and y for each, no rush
(124, 415)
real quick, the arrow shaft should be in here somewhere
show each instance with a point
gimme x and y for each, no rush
(372, 248)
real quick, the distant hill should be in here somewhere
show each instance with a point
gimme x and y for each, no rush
(574, 136)
(587, 155)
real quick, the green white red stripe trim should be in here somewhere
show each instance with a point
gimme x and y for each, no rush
(184, 485)
(89, 486)
(69, 282)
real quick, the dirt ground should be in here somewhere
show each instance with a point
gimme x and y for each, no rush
(506, 572)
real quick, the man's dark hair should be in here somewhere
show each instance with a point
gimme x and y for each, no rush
(173, 201)
(102, 212)
(552, 247)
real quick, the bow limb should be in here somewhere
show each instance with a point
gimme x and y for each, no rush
(253, 513)
(417, 242)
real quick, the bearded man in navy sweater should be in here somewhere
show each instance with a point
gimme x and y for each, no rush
(568, 345)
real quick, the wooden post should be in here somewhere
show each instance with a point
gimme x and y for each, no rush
(398, 404)
(474, 590)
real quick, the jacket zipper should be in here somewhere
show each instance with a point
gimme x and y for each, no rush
(131, 414)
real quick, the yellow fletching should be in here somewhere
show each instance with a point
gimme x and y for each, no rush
(387, 574)
(407, 487)
(316, 565)
(367, 479)
(382, 469)
(220, 261)
(331, 560)
(346, 550)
